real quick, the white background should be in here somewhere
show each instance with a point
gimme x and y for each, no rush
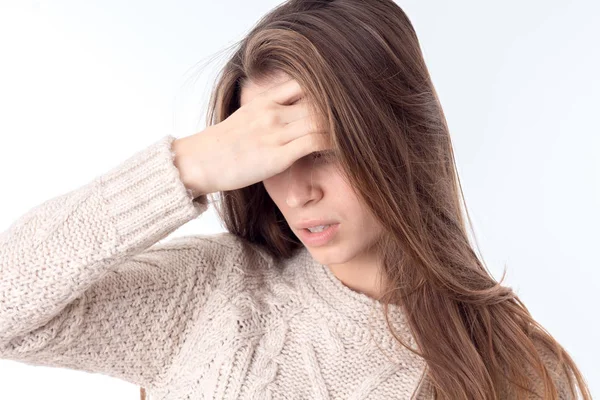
(85, 84)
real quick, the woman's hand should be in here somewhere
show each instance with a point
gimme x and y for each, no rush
(259, 140)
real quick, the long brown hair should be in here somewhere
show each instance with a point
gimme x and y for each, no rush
(360, 64)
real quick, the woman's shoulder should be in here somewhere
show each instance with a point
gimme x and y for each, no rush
(231, 257)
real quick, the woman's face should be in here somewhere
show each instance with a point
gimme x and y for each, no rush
(315, 189)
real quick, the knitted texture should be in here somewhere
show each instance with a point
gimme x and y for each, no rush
(87, 284)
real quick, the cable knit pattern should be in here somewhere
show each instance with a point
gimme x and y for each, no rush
(87, 284)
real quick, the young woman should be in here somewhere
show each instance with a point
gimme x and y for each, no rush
(325, 115)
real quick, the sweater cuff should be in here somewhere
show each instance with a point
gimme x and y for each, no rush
(146, 197)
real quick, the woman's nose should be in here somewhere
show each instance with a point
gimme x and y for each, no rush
(300, 184)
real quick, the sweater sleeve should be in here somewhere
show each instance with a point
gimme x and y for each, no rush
(85, 285)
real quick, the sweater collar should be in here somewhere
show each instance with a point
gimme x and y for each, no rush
(325, 288)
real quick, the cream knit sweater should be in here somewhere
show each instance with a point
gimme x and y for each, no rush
(86, 285)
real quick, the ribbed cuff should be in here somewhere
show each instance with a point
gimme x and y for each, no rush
(146, 197)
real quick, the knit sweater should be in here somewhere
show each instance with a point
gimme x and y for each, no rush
(88, 283)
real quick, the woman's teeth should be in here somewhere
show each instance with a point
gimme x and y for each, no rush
(318, 228)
